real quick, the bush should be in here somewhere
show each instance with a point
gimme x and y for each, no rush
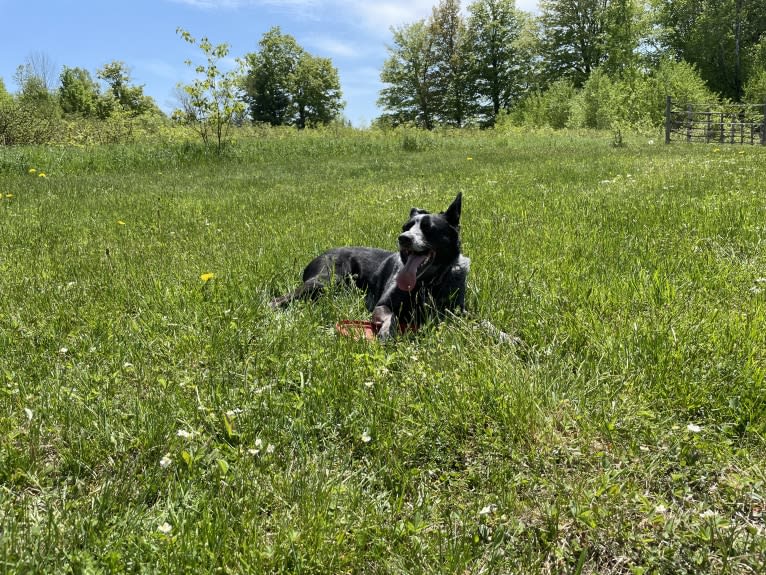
(25, 124)
(755, 88)
(550, 108)
(596, 104)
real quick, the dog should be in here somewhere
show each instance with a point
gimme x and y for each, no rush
(425, 278)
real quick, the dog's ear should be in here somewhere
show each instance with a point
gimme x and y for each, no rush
(452, 215)
(415, 211)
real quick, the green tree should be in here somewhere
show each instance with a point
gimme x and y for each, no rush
(717, 36)
(129, 98)
(494, 29)
(78, 92)
(210, 104)
(574, 37)
(287, 86)
(317, 94)
(5, 96)
(409, 73)
(453, 86)
(271, 70)
(579, 36)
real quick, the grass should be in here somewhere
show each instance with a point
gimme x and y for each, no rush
(155, 421)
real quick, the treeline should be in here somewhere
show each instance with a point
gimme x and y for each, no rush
(281, 85)
(579, 63)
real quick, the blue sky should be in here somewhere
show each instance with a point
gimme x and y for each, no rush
(141, 33)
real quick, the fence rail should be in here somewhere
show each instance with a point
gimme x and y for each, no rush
(731, 124)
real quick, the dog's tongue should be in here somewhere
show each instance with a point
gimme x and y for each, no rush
(408, 276)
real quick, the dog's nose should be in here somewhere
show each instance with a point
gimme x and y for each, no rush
(405, 241)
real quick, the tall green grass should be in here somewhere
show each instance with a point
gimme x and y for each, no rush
(152, 420)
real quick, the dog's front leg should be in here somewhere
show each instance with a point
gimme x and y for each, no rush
(386, 322)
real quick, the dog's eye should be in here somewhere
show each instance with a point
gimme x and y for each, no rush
(408, 225)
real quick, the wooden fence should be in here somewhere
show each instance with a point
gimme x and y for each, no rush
(729, 124)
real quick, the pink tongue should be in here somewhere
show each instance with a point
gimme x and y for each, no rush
(408, 276)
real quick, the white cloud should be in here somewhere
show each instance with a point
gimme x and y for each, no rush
(329, 45)
(380, 16)
(213, 4)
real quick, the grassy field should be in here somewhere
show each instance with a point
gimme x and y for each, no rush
(157, 418)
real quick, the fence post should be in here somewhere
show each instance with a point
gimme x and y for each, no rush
(689, 122)
(709, 128)
(668, 111)
(763, 125)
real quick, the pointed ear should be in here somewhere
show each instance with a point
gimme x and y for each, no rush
(452, 214)
(415, 211)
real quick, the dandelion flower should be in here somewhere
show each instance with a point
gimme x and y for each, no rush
(41, 175)
(31, 171)
(120, 223)
(166, 462)
(9, 196)
(206, 277)
(469, 158)
(165, 528)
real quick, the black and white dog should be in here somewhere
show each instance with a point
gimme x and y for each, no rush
(427, 274)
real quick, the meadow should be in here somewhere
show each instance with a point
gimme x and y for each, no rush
(156, 416)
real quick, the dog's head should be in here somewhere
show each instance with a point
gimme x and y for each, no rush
(428, 244)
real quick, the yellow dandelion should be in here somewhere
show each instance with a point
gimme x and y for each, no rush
(120, 223)
(206, 277)
(41, 175)
(469, 158)
(717, 150)
(9, 196)
(31, 171)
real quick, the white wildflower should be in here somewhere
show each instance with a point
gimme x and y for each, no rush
(366, 437)
(270, 448)
(693, 428)
(185, 434)
(165, 528)
(488, 509)
(28, 413)
(166, 462)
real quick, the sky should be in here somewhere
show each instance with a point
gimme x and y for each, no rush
(142, 33)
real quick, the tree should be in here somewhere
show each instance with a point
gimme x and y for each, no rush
(78, 92)
(270, 72)
(453, 88)
(211, 103)
(574, 37)
(317, 94)
(285, 85)
(129, 98)
(410, 75)
(717, 36)
(494, 28)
